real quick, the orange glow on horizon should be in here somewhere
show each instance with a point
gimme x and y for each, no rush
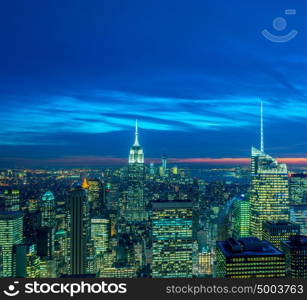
(290, 161)
(109, 160)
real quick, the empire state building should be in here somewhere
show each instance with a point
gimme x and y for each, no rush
(135, 207)
(136, 154)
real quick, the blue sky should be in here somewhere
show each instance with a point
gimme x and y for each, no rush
(74, 76)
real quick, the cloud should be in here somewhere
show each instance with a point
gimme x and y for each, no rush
(115, 111)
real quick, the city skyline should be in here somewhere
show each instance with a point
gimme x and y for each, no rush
(71, 88)
(91, 161)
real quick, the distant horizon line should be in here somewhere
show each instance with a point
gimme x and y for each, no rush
(109, 160)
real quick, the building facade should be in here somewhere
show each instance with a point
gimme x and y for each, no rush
(248, 258)
(269, 197)
(276, 232)
(295, 250)
(172, 240)
(11, 234)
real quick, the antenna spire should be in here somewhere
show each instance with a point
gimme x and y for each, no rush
(261, 127)
(136, 140)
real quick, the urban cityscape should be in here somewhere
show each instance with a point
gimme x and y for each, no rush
(153, 139)
(155, 220)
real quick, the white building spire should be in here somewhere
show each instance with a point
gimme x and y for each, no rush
(136, 140)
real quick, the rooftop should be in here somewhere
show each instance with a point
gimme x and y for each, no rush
(279, 224)
(249, 246)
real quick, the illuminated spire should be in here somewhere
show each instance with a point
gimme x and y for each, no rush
(136, 140)
(85, 184)
(261, 128)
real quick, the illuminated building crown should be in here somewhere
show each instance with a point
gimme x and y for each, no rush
(136, 154)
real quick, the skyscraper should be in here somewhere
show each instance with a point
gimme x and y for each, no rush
(100, 232)
(11, 200)
(136, 154)
(46, 233)
(241, 218)
(78, 230)
(152, 170)
(26, 261)
(48, 210)
(298, 188)
(269, 197)
(277, 231)
(296, 256)
(96, 196)
(172, 239)
(247, 258)
(135, 204)
(164, 165)
(269, 191)
(11, 233)
(45, 242)
(298, 215)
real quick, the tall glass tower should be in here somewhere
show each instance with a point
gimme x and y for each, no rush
(11, 233)
(48, 210)
(269, 192)
(269, 197)
(241, 218)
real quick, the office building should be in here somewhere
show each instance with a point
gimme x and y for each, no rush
(295, 250)
(135, 204)
(96, 196)
(172, 239)
(26, 261)
(269, 198)
(205, 262)
(45, 242)
(241, 218)
(248, 258)
(298, 188)
(298, 215)
(277, 231)
(11, 200)
(79, 234)
(11, 233)
(100, 233)
(48, 210)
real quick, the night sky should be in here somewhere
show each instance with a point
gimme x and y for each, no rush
(74, 76)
